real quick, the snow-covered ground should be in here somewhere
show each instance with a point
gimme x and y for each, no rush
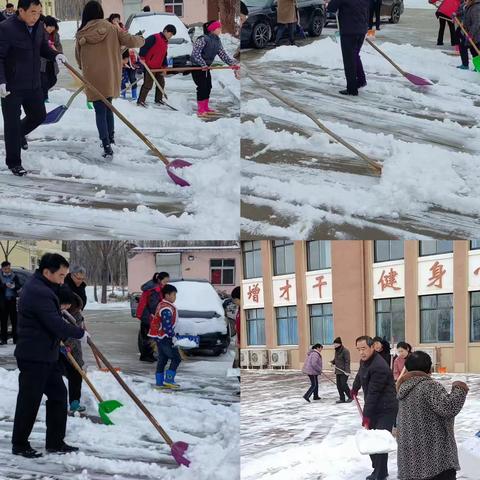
(204, 414)
(74, 193)
(297, 183)
(283, 437)
(111, 303)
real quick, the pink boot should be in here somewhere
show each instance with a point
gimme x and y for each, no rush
(208, 109)
(202, 108)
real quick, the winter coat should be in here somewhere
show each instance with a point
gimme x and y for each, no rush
(80, 291)
(98, 51)
(206, 48)
(155, 297)
(155, 51)
(40, 324)
(472, 20)
(287, 11)
(353, 15)
(341, 360)
(425, 423)
(20, 54)
(73, 344)
(313, 363)
(398, 365)
(3, 289)
(2, 17)
(55, 39)
(448, 7)
(376, 380)
(164, 321)
(385, 353)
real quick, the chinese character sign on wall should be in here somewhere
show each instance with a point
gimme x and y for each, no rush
(389, 280)
(319, 286)
(284, 290)
(435, 274)
(252, 294)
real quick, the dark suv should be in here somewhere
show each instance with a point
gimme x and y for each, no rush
(391, 9)
(261, 25)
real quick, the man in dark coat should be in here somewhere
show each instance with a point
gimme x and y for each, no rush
(76, 281)
(40, 330)
(9, 288)
(22, 43)
(342, 369)
(381, 404)
(353, 16)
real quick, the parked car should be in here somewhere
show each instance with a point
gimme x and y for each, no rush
(150, 23)
(201, 315)
(391, 9)
(261, 25)
(23, 274)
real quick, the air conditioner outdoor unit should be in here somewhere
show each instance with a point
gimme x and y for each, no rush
(278, 358)
(258, 358)
(244, 358)
(432, 351)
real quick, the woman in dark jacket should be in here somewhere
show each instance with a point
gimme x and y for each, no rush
(48, 68)
(382, 347)
(426, 440)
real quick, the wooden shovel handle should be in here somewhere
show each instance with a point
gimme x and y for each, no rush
(120, 115)
(385, 56)
(79, 369)
(154, 78)
(469, 37)
(139, 403)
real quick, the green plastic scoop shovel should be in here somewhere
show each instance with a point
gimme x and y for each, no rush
(104, 406)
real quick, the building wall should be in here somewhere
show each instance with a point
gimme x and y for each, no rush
(354, 279)
(27, 254)
(142, 267)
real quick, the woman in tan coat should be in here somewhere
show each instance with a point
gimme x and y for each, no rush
(286, 18)
(99, 56)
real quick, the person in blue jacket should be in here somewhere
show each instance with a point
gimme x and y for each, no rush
(22, 43)
(40, 329)
(353, 18)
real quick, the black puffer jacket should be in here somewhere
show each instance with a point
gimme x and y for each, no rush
(376, 380)
(352, 15)
(426, 417)
(40, 324)
(81, 291)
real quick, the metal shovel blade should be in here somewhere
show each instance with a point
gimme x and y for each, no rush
(55, 115)
(476, 63)
(178, 451)
(178, 164)
(106, 407)
(419, 81)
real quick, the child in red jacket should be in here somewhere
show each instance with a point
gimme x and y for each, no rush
(162, 328)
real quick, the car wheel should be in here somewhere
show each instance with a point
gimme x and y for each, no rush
(261, 35)
(316, 26)
(395, 17)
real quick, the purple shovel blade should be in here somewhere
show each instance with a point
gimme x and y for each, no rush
(417, 80)
(178, 164)
(178, 451)
(55, 115)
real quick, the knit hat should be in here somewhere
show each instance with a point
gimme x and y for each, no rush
(214, 25)
(338, 340)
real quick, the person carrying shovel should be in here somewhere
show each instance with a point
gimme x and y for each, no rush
(40, 331)
(472, 24)
(381, 404)
(99, 55)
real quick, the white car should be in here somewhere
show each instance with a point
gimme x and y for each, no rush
(150, 23)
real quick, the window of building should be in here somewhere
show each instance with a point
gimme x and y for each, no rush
(283, 257)
(475, 245)
(174, 6)
(475, 316)
(252, 259)
(436, 318)
(319, 255)
(387, 250)
(255, 326)
(435, 247)
(287, 333)
(222, 271)
(321, 324)
(390, 319)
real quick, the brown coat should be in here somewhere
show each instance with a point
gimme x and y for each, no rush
(287, 11)
(98, 52)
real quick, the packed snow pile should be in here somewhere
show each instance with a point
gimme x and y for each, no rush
(370, 442)
(184, 343)
(469, 457)
(201, 326)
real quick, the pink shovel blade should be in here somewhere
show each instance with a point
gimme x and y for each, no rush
(419, 81)
(178, 452)
(178, 164)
